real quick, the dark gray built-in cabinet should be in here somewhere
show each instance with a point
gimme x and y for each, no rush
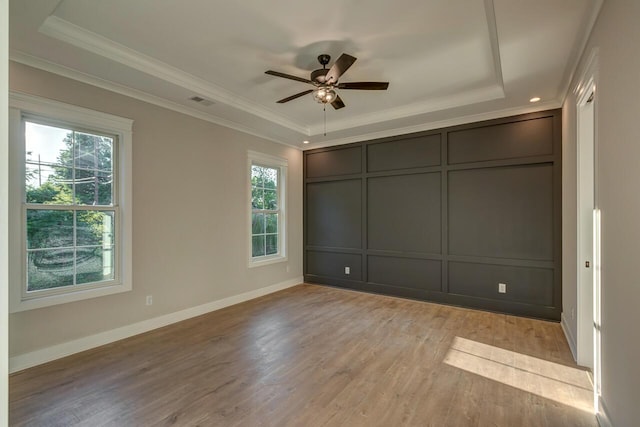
(445, 215)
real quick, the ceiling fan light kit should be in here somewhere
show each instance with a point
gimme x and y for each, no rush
(324, 95)
(326, 81)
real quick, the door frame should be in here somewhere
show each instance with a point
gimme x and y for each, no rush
(585, 150)
(588, 298)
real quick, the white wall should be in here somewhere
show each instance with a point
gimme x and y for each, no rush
(189, 217)
(616, 35)
(4, 198)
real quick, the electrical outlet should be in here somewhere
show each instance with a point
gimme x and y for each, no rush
(288, 268)
(502, 288)
(149, 299)
(347, 270)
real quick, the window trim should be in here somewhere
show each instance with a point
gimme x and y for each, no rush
(24, 107)
(266, 160)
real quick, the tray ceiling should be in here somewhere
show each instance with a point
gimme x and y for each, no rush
(447, 61)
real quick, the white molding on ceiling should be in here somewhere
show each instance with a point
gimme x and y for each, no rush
(492, 28)
(586, 27)
(470, 118)
(82, 38)
(588, 75)
(42, 64)
(489, 93)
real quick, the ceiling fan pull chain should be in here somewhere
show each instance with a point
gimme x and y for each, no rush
(324, 109)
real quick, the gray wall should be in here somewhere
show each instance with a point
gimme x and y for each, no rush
(443, 215)
(190, 217)
(616, 36)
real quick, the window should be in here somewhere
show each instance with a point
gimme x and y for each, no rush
(267, 176)
(70, 203)
(69, 207)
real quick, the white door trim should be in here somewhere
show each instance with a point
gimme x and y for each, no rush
(588, 223)
(585, 206)
(583, 91)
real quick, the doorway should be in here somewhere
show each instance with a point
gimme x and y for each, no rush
(586, 205)
(588, 223)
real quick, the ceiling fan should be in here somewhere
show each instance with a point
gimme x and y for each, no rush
(326, 81)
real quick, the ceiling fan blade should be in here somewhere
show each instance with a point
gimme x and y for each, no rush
(287, 76)
(364, 85)
(292, 97)
(339, 67)
(337, 104)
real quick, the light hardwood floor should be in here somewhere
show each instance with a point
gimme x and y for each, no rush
(317, 356)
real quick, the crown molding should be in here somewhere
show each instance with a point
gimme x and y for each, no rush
(579, 48)
(470, 118)
(492, 28)
(70, 73)
(586, 76)
(82, 38)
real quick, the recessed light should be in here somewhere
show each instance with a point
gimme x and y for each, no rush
(535, 99)
(305, 142)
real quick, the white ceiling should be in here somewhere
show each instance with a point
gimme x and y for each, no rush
(447, 61)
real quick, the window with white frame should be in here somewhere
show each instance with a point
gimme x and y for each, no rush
(71, 187)
(267, 177)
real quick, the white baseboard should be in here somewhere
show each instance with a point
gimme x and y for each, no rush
(38, 357)
(570, 339)
(603, 415)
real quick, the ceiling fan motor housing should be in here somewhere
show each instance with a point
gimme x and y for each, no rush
(318, 76)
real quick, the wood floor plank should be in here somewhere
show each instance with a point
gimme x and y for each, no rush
(317, 356)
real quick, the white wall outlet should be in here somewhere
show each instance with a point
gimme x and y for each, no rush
(149, 299)
(288, 268)
(502, 288)
(347, 270)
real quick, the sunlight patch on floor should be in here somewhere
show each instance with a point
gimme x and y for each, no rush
(560, 383)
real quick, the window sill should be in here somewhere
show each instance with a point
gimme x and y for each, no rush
(50, 300)
(267, 261)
